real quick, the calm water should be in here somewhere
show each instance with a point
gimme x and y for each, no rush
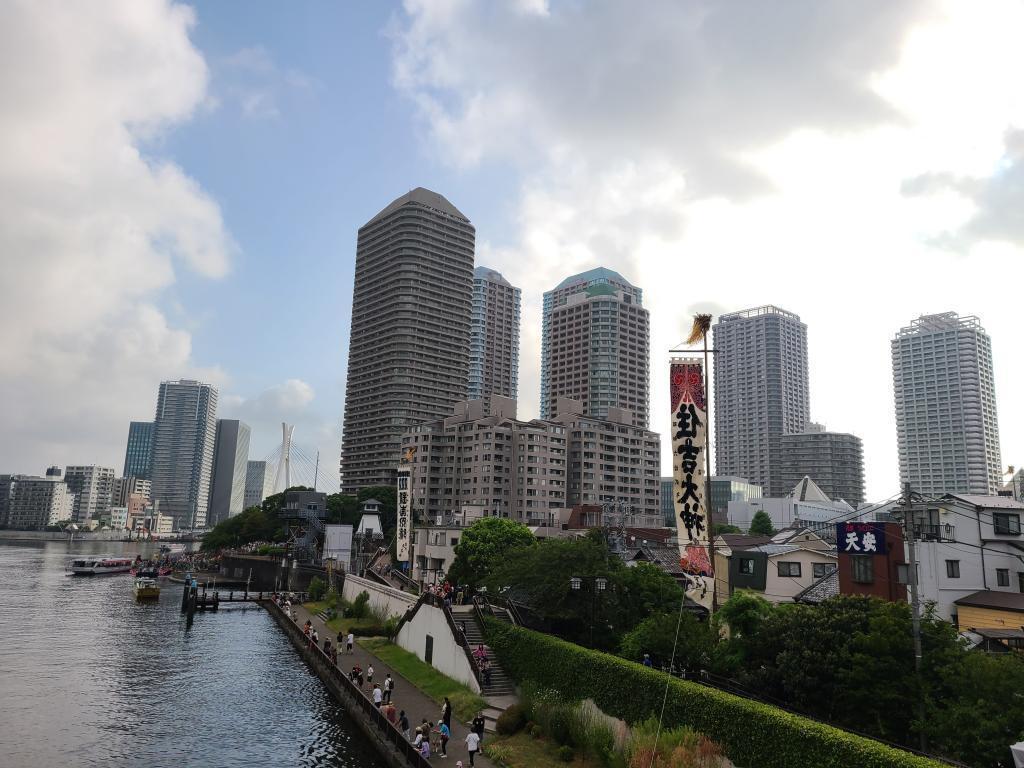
(89, 677)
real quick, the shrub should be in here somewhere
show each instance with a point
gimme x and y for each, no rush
(536, 731)
(317, 588)
(360, 607)
(751, 733)
(565, 754)
(511, 720)
(370, 630)
(499, 753)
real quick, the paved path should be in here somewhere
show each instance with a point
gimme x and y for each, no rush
(417, 705)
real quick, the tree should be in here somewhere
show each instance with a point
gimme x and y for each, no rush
(721, 528)
(483, 545)
(656, 635)
(761, 524)
(254, 524)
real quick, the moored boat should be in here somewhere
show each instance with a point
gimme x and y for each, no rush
(98, 566)
(146, 589)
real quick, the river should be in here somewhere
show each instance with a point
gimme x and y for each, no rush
(90, 677)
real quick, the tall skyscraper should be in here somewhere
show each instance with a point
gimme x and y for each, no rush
(230, 460)
(138, 456)
(258, 483)
(595, 346)
(408, 358)
(493, 337)
(184, 433)
(93, 488)
(946, 421)
(833, 460)
(761, 392)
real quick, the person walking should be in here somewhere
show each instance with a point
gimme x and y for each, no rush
(389, 713)
(478, 726)
(472, 745)
(446, 734)
(403, 724)
(369, 674)
(446, 712)
(349, 640)
(378, 696)
(389, 686)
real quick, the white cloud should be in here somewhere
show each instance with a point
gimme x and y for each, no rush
(251, 79)
(738, 154)
(91, 228)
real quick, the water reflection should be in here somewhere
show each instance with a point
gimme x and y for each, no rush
(89, 677)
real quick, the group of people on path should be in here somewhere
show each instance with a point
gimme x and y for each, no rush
(427, 737)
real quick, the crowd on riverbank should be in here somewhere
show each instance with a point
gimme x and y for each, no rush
(432, 736)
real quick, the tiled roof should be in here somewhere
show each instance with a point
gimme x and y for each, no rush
(995, 502)
(822, 589)
(991, 598)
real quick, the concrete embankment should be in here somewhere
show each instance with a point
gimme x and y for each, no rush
(59, 536)
(395, 750)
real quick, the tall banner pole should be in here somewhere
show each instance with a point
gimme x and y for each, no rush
(691, 469)
(403, 498)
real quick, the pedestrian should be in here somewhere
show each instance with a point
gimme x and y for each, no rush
(403, 724)
(389, 713)
(378, 696)
(389, 686)
(349, 640)
(418, 738)
(425, 749)
(445, 735)
(316, 639)
(446, 712)
(369, 674)
(486, 669)
(359, 676)
(341, 638)
(478, 726)
(472, 744)
(647, 660)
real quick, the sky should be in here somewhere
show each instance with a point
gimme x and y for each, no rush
(181, 186)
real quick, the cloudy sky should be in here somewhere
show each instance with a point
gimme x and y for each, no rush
(181, 185)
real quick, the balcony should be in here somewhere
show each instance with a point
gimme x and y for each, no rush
(935, 532)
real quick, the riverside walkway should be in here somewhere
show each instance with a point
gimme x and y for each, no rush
(417, 705)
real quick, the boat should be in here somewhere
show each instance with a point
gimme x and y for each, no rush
(146, 589)
(98, 566)
(150, 571)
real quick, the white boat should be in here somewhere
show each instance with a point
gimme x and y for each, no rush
(146, 589)
(98, 566)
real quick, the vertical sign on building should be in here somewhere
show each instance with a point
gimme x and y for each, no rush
(404, 508)
(689, 446)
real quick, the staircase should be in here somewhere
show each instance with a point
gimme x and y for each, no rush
(501, 683)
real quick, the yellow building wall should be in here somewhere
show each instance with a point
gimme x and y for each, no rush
(971, 617)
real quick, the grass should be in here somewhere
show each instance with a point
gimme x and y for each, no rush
(465, 703)
(339, 623)
(524, 751)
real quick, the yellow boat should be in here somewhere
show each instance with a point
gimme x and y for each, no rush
(146, 589)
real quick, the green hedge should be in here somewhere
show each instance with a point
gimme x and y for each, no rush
(753, 734)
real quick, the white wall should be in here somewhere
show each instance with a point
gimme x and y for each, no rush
(394, 601)
(782, 589)
(449, 658)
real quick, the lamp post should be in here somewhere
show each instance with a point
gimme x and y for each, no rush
(600, 585)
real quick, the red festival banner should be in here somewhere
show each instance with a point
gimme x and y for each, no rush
(689, 447)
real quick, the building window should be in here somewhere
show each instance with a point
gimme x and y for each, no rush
(952, 569)
(747, 566)
(1020, 581)
(1006, 524)
(821, 570)
(454, 540)
(1002, 577)
(863, 569)
(789, 569)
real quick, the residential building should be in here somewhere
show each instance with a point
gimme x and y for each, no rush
(495, 464)
(668, 512)
(780, 568)
(118, 518)
(946, 424)
(725, 489)
(806, 506)
(612, 461)
(834, 460)
(126, 487)
(138, 455)
(408, 358)
(258, 483)
(230, 467)
(595, 346)
(36, 502)
(493, 337)
(966, 544)
(6, 487)
(184, 433)
(877, 570)
(93, 488)
(504, 467)
(761, 392)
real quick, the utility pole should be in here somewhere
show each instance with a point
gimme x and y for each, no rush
(915, 600)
